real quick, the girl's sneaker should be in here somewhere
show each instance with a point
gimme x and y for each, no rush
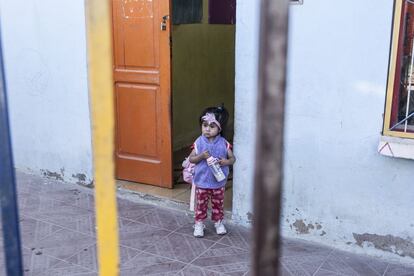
(199, 229)
(220, 229)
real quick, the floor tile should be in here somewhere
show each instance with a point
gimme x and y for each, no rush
(46, 265)
(237, 236)
(85, 258)
(27, 260)
(180, 247)
(46, 209)
(192, 270)
(32, 204)
(140, 236)
(83, 223)
(305, 264)
(225, 259)
(147, 264)
(78, 199)
(126, 225)
(87, 274)
(399, 270)
(283, 270)
(166, 219)
(133, 210)
(323, 272)
(73, 196)
(336, 264)
(360, 264)
(62, 244)
(127, 254)
(33, 230)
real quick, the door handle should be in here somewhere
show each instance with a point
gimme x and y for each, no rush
(164, 22)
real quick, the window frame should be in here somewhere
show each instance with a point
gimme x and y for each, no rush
(395, 52)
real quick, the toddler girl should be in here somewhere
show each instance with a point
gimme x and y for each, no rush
(213, 121)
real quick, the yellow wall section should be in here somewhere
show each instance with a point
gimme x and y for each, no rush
(202, 75)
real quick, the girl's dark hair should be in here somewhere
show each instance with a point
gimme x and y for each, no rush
(221, 114)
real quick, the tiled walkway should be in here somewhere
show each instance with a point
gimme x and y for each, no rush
(58, 233)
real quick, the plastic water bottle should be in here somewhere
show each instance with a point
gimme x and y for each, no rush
(216, 169)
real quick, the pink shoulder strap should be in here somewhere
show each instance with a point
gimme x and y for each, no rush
(228, 145)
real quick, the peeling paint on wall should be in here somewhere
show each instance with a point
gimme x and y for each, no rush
(81, 180)
(302, 228)
(389, 243)
(54, 175)
(249, 217)
(80, 176)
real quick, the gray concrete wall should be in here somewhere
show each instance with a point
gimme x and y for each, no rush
(46, 71)
(337, 189)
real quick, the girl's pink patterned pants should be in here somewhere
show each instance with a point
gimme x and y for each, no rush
(217, 204)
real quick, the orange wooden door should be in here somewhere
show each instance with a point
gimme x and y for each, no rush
(142, 91)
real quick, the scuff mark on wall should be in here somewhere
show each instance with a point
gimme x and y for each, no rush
(80, 176)
(249, 217)
(301, 227)
(389, 243)
(81, 180)
(54, 175)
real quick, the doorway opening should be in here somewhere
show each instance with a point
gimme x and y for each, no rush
(202, 48)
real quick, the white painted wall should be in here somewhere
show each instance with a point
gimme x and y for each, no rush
(334, 177)
(337, 78)
(46, 71)
(245, 107)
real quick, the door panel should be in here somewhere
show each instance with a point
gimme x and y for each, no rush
(132, 76)
(140, 52)
(137, 110)
(142, 92)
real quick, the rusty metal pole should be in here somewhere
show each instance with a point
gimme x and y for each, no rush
(269, 137)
